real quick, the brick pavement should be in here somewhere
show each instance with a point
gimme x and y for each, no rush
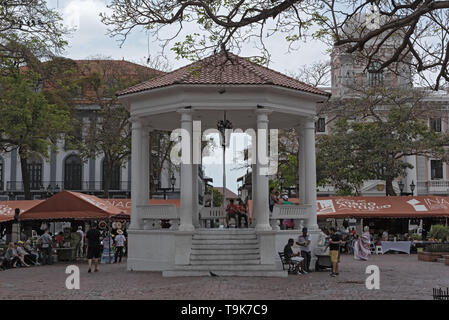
(402, 277)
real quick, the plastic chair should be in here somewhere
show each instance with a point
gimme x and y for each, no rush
(379, 250)
(372, 248)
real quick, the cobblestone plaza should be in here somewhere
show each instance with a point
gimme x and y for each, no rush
(401, 277)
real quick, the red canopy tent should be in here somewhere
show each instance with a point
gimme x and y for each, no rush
(383, 207)
(7, 208)
(67, 205)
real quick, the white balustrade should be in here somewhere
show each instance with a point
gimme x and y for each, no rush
(287, 211)
(152, 214)
(212, 213)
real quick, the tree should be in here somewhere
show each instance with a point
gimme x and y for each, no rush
(34, 24)
(32, 121)
(108, 132)
(317, 74)
(417, 29)
(389, 125)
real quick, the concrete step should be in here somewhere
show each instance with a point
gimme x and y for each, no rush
(224, 231)
(225, 261)
(237, 251)
(207, 242)
(221, 273)
(227, 267)
(225, 246)
(224, 236)
(220, 256)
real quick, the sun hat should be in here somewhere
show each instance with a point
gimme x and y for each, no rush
(119, 231)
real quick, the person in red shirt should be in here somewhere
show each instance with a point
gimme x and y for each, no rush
(231, 212)
(60, 239)
(242, 213)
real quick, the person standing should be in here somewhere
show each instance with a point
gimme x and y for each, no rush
(93, 246)
(334, 246)
(46, 244)
(304, 245)
(119, 245)
(80, 250)
(362, 246)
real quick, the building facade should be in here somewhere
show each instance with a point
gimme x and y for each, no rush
(66, 170)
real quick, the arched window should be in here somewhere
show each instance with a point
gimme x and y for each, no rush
(375, 75)
(35, 172)
(115, 177)
(72, 172)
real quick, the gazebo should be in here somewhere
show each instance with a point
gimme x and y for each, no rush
(193, 98)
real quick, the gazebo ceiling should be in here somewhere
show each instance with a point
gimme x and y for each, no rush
(224, 68)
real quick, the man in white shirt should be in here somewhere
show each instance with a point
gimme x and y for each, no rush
(304, 245)
(119, 244)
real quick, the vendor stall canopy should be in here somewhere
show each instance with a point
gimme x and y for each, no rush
(7, 208)
(67, 205)
(383, 207)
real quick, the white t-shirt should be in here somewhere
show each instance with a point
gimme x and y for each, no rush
(81, 235)
(302, 239)
(120, 240)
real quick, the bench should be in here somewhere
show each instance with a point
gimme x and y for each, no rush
(151, 215)
(288, 211)
(291, 266)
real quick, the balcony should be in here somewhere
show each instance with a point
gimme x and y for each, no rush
(433, 187)
(84, 186)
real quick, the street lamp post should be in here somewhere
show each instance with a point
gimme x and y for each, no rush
(401, 188)
(281, 182)
(173, 182)
(222, 126)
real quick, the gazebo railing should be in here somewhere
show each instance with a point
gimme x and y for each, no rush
(286, 211)
(212, 214)
(150, 216)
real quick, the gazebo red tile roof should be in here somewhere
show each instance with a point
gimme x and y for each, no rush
(223, 69)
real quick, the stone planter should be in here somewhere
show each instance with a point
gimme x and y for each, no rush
(430, 256)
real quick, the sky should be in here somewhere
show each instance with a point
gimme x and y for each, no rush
(90, 40)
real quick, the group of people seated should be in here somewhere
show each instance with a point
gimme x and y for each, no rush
(20, 254)
(237, 212)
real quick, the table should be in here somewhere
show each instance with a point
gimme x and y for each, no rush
(402, 246)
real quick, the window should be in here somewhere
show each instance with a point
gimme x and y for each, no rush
(320, 125)
(72, 173)
(436, 169)
(375, 75)
(35, 173)
(435, 124)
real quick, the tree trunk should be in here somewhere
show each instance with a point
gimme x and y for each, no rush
(107, 177)
(389, 190)
(25, 175)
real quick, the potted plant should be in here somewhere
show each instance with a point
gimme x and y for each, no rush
(434, 251)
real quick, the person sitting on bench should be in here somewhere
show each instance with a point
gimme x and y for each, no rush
(231, 212)
(295, 257)
(242, 213)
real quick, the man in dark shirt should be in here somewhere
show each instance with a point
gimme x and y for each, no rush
(334, 246)
(93, 237)
(296, 258)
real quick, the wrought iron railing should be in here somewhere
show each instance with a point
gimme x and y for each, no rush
(55, 186)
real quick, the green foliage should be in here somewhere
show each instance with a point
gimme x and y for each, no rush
(374, 148)
(415, 237)
(439, 232)
(217, 197)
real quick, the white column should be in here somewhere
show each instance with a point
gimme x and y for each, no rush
(261, 203)
(196, 158)
(186, 172)
(253, 189)
(195, 206)
(136, 152)
(310, 171)
(301, 165)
